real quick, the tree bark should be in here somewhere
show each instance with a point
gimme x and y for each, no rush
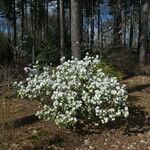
(34, 24)
(98, 23)
(140, 27)
(117, 41)
(125, 25)
(15, 27)
(102, 35)
(62, 27)
(144, 34)
(131, 28)
(22, 20)
(47, 20)
(75, 29)
(26, 16)
(81, 19)
(9, 31)
(92, 26)
(88, 31)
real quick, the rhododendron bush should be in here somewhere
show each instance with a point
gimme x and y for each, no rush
(77, 93)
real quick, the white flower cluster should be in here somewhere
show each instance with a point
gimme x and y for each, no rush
(37, 84)
(79, 93)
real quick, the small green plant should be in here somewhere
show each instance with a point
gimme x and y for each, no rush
(109, 70)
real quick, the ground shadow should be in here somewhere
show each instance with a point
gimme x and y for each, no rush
(20, 122)
(138, 88)
(138, 121)
(25, 121)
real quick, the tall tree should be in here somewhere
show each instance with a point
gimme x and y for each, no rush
(116, 10)
(33, 10)
(144, 34)
(131, 26)
(62, 27)
(92, 25)
(125, 22)
(139, 25)
(75, 28)
(22, 20)
(101, 29)
(15, 27)
(98, 21)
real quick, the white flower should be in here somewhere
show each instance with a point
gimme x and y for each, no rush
(126, 108)
(75, 89)
(105, 119)
(126, 113)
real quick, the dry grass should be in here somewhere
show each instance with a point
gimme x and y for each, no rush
(7, 131)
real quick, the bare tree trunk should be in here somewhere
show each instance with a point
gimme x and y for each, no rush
(36, 31)
(102, 35)
(125, 25)
(144, 34)
(46, 29)
(15, 27)
(62, 28)
(26, 16)
(8, 31)
(88, 32)
(75, 29)
(81, 19)
(22, 21)
(98, 24)
(131, 28)
(117, 26)
(92, 26)
(47, 20)
(34, 28)
(139, 28)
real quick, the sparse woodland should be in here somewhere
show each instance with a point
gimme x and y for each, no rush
(74, 74)
(47, 30)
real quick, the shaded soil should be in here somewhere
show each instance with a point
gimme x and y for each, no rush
(21, 130)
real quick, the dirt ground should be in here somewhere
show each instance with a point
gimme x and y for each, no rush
(21, 130)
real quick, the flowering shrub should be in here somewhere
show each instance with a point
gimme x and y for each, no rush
(80, 93)
(38, 83)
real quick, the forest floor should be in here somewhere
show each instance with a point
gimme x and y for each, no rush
(21, 130)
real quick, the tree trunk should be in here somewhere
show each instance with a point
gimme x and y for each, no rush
(139, 28)
(101, 25)
(144, 34)
(125, 24)
(34, 28)
(15, 28)
(8, 31)
(92, 26)
(88, 31)
(26, 16)
(62, 28)
(131, 28)
(47, 20)
(46, 30)
(98, 23)
(81, 19)
(75, 29)
(22, 21)
(117, 41)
